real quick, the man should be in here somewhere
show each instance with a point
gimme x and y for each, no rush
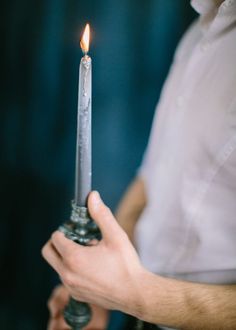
(184, 198)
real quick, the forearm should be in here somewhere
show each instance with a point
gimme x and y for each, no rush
(186, 305)
(131, 206)
(109, 274)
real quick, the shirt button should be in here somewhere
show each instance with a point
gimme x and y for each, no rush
(180, 101)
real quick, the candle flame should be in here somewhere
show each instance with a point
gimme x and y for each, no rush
(84, 43)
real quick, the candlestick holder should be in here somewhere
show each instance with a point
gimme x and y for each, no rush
(82, 230)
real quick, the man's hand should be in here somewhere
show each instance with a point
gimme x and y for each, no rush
(56, 305)
(107, 274)
(110, 275)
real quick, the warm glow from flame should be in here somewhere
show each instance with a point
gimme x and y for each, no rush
(84, 43)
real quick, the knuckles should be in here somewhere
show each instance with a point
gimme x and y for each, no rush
(68, 278)
(72, 260)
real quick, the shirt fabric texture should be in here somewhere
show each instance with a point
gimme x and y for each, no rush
(188, 228)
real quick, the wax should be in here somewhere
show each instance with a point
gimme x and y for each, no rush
(83, 173)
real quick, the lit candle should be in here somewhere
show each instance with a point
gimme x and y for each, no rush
(81, 228)
(83, 172)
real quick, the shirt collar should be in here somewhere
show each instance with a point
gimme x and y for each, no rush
(207, 9)
(215, 10)
(204, 7)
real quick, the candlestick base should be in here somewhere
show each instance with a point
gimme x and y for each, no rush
(80, 229)
(77, 314)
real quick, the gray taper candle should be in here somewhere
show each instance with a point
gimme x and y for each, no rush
(83, 172)
(81, 228)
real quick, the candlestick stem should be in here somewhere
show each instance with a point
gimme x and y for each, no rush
(80, 229)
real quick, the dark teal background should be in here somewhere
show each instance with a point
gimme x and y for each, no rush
(132, 46)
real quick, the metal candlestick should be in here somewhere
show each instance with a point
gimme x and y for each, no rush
(82, 230)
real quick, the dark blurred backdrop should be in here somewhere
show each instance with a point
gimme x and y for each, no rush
(132, 46)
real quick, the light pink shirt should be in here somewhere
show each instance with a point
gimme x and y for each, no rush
(188, 229)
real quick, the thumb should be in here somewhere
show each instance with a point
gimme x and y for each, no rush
(103, 216)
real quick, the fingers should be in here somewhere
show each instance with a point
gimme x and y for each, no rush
(102, 215)
(56, 305)
(51, 256)
(64, 246)
(100, 317)
(58, 301)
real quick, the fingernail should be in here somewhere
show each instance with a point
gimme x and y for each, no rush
(96, 198)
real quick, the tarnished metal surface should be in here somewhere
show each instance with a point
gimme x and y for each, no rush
(80, 229)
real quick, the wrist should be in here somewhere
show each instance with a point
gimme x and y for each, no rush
(162, 300)
(153, 298)
(141, 289)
